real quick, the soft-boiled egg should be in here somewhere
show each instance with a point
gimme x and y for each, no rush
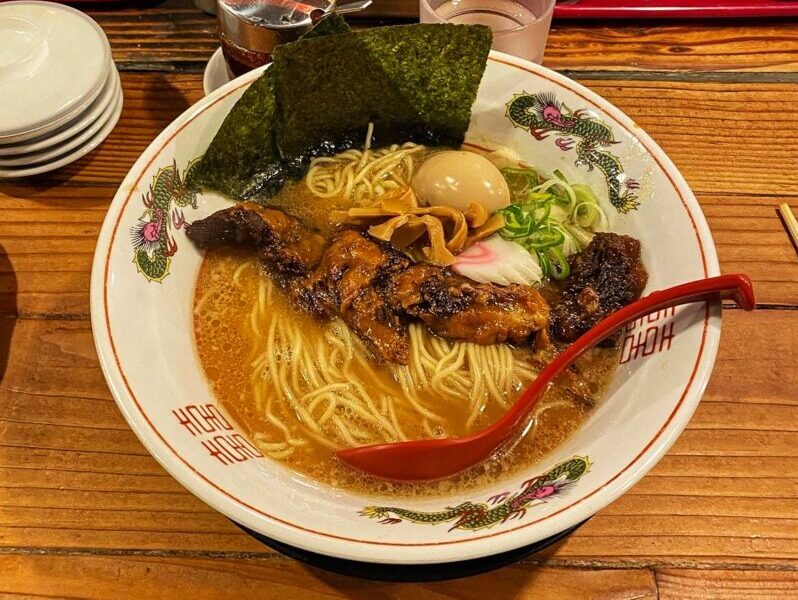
(456, 178)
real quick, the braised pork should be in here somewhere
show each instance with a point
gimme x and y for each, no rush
(457, 308)
(607, 275)
(350, 282)
(374, 288)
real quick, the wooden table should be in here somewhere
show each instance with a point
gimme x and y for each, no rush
(86, 512)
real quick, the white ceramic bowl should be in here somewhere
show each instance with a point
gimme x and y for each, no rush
(142, 320)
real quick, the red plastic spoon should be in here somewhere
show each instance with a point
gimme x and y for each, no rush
(433, 459)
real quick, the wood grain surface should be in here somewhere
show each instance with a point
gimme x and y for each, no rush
(74, 476)
(85, 512)
(739, 182)
(275, 578)
(706, 128)
(175, 36)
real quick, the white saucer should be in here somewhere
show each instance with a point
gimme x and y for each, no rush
(72, 128)
(54, 61)
(69, 157)
(217, 73)
(81, 138)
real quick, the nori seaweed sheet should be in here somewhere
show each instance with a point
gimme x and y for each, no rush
(243, 160)
(414, 82)
(332, 24)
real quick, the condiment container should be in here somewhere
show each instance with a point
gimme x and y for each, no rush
(249, 30)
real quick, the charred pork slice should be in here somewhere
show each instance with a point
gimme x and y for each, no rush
(341, 280)
(372, 286)
(457, 308)
(288, 249)
(605, 276)
(349, 283)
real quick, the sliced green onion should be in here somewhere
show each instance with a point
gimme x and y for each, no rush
(584, 193)
(570, 244)
(538, 216)
(532, 196)
(558, 265)
(554, 182)
(592, 215)
(551, 218)
(582, 236)
(544, 238)
(545, 263)
(559, 213)
(520, 180)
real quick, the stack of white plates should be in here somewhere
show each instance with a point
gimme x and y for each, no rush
(60, 94)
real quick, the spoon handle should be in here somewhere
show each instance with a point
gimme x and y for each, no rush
(735, 287)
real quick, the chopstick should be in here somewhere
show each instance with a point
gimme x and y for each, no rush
(790, 222)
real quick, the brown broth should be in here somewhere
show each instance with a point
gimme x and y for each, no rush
(296, 200)
(223, 339)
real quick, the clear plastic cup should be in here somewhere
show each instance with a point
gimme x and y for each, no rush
(520, 27)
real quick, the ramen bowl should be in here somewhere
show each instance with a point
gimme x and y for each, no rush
(141, 308)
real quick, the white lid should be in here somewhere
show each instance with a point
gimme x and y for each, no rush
(53, 62)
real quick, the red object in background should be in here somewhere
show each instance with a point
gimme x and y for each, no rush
(637, 9)
(673, 9)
